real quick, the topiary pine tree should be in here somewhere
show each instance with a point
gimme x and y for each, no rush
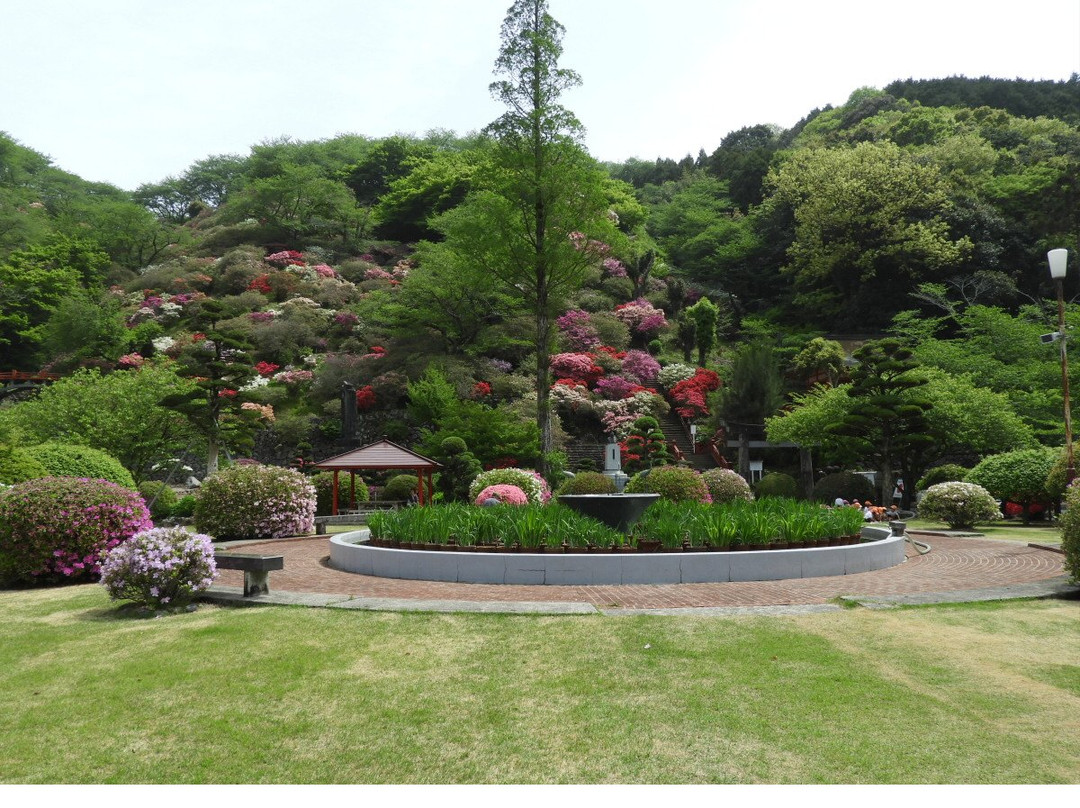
(646, 445)
(220, 366)
(888, 421)
(459, 469)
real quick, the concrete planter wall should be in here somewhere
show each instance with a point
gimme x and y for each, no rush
(350, 554)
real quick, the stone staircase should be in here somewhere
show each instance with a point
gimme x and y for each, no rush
(674, 432)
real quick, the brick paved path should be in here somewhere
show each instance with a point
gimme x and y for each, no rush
(953, 564)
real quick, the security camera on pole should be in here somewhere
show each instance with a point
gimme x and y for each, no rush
(1058, 259)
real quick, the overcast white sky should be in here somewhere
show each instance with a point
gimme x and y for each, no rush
(132, 91)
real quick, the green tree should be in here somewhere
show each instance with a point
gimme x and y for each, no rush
(119, 413)
(753, 390)
(540, 191)
(29, 293)
(705, 316)
(886, 418)
(821, 356)
(218, 367)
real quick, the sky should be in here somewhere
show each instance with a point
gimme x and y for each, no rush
(134, 91)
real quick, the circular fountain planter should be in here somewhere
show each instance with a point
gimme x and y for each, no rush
(350, 552)
(617, 511)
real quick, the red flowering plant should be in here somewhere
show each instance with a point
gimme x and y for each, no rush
(577, 366)
(365, 398)
(261, 284)
(481, 390)
(689, 395)
(266, 368)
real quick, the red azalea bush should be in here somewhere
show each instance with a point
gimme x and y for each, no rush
(481, 390)
(689, 395)
(286, 258)
(365, 398)
(61, 528)
(577, 366)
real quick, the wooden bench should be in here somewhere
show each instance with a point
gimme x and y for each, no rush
(356, 517)
(256, 569)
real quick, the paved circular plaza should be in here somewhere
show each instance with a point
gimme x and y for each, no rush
(956, 569)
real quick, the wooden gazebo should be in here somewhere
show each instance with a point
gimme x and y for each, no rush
(383, 455)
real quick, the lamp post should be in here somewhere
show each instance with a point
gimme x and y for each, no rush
(1058, 259)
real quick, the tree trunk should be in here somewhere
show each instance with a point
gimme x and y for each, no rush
(211, 456)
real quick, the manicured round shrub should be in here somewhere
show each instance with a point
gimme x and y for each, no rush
(162, 568)
(1055, 479)
(1070, 532)
(17, 466)
(400, 488)
(184, 507)
(1018, 476)
(945, 473)
(726, 485)
(777, 484)
(588, 482)
(844, 484)
(71, 460)
(534, 486)
(959, 504)
(160, 498)
(506, 494)
(60, 528)
(324, 491)
(673, 483)
(255, 502)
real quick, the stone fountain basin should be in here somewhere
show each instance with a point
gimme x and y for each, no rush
(617, 511)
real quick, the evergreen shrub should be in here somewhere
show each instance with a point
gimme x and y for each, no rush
(777, 484)
(588, 482)
(1070, 532)
(255, 502)
(947, 472)
(18, 466)
(71, 460)
(673, 483)
(160, 498)
(844, 484)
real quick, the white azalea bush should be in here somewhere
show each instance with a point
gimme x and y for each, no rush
(959, 505)
(161, 568)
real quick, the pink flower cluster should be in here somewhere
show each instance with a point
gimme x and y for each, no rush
(613, 268)
(131, 360)
(577, 329)
(294, 376)
(285, 258)
(506, 494)
(324, 271)
(640, 366)
(576, 366)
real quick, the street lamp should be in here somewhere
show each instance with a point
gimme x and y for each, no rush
(1058, 259)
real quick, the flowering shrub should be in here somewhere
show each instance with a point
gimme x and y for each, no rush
(265, 368)
(294, 376)
(577, 366)
(346, 319)
(131, 360)
(261, 284)
(1070, 532)
(263, 412)
(60, 528)
(959, 505)
(726, 485)
(689, 395)
(263, 316)
(506, 494)
(285, 258)
(160, 568)
(255, 502)
(534, 486)
(577, 329)
(641, 317)
(616, 387)
(365, 398)
(673, 483)
(640, 366)
(324, 271)
(613, 268)
(481, 390)
(673, 374)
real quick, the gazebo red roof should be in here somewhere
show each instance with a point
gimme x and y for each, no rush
(383, 454)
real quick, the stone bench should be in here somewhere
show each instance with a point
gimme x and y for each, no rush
(256, 569)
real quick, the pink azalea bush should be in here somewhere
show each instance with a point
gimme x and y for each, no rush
(61, 528)
(255, 502)
(577, 366)
(641, 317)
(577, 329)
(162, 568)
(641, 366)
(535, 487)
(506, 494)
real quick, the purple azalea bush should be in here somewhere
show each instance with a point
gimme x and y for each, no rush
(60, 528)
(255, 502)
(162, 568)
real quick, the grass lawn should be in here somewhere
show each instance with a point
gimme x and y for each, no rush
(1009, 530)
(964, 694)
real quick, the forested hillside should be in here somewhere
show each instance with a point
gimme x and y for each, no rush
(251, 287)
